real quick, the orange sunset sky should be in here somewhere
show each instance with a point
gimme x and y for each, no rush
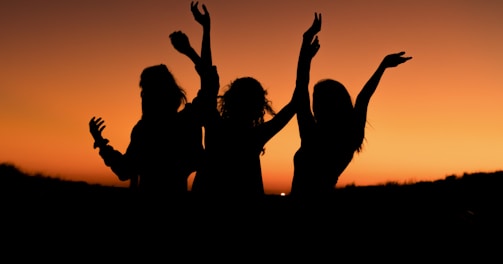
(439, 114)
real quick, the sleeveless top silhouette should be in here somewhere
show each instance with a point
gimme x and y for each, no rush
(320, 161)
(232, 160)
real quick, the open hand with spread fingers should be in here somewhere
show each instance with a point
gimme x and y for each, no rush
(394, 59)
(201, 18)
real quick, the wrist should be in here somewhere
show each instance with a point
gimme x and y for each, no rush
(100, 143)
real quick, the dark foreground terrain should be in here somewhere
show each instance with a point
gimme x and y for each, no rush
(457, 218)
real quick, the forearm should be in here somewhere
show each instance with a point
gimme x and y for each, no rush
(301, 97)
(303, 70)
(278, 122)
(371, 85)
(363, 98)
(204, 68)
(305, 119)
(194, 57)
(206, 47)
(209, 81)
(116, 161)
(308, 50)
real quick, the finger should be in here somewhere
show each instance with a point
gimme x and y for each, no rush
(205, 10)
(404, 59)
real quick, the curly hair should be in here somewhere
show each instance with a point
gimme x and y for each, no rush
(245, 100)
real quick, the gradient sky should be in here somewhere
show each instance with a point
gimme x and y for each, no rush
(439, 114)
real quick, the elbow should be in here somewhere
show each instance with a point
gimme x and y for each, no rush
(123, 174)
(123, 177)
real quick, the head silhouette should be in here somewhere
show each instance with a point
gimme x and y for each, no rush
(245, 101)
(334, 112)
(331, 103)
(160, 92)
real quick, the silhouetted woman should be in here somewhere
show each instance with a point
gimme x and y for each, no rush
(166, 143)
(235, 133)
(332, 132)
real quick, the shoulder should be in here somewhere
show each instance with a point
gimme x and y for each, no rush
(187, 109)
(138, 127)
(139, 124)
(187, 113)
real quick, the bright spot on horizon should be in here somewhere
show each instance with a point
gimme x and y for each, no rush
(282, 194)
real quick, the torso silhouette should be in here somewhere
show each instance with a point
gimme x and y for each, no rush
(320, 160)
(162, 153)
(232, 160)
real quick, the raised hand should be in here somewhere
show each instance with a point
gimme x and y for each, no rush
(96, 126)
(309, 46)
(313, 47)
(393, 60)
(315, 27)
(181, 42)
(201, 18)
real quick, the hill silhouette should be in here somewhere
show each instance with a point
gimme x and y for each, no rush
(455, 215)
(473, 192)
(471, 196)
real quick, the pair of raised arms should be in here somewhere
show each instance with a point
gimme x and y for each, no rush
(311, 46)
(181, 42)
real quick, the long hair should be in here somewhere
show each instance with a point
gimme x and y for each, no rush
(333, 109)
(245, 101)
(160, 91)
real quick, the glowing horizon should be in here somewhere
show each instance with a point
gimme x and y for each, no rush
(438, 114)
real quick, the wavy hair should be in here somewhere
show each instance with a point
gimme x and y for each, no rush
(160, 89)
(245, 101)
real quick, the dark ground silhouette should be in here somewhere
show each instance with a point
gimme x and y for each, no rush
(456, 216)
